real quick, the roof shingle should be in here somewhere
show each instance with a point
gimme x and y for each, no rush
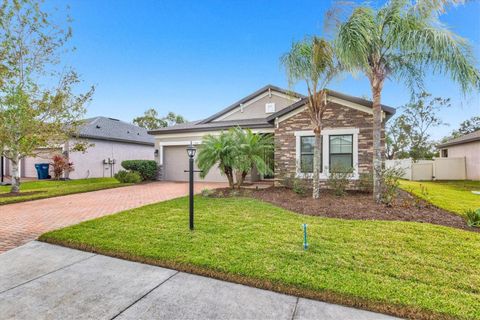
(110, 129)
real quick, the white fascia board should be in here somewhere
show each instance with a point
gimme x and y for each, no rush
(204, 133)
(350, 104)
(179, 143)
(248, 103)
(291, 114)
(342, 102)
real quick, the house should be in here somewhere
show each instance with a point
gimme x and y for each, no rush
(110, 142)
(347, 135)
(468, 147)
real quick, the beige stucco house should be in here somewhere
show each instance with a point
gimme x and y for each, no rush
(110, 141)
(468, 147)
(347, 135)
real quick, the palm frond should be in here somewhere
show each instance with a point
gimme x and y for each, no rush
(355, 39)
(445, 53)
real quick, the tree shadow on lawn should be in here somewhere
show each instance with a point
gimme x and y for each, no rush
(19, 194)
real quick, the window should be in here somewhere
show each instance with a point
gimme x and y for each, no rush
(444, 153)
(307, 145)
(341, 151)
(270, 107)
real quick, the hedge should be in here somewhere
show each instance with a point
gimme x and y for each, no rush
(146, 168)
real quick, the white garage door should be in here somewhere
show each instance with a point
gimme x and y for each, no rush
(175, 161)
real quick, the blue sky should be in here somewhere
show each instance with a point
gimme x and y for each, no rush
(196, 57)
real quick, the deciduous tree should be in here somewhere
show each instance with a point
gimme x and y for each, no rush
(33, 112)
(151, 120)
(466, 127)
(410, 132)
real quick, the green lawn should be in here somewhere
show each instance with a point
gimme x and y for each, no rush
(403, 268)
(454, 196)
(50, 188)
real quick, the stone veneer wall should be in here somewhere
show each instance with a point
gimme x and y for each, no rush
(336, 116)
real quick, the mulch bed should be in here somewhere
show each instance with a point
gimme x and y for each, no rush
(355, 206)
(20, 194)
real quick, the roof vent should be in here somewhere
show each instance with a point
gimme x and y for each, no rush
(113, 119)
(98, 127)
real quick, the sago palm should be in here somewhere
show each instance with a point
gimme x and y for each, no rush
(218, 150)
(402, 41)
(252, 148)
(312, 61)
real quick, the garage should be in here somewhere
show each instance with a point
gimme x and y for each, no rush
(175, 161)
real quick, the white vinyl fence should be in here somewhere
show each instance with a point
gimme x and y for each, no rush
(436, 169)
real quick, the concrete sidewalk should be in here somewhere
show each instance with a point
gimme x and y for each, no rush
(43, 281)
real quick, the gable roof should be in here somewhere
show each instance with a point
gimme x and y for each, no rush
(367, 103)
(470, 137)
(249, 97)
(268, 122)
(103, 128)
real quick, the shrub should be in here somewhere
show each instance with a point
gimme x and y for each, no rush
(338, 179)
(234, 193)
(287, 180)
(299, 186)
(473, 217)
(146, 168)
(128, 176)
(390, 177)
(207, 193)
(365, 182)
(60, 165)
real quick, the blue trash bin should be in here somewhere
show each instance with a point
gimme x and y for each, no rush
(42, 170)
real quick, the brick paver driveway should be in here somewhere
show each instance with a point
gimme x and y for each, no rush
(23, 222)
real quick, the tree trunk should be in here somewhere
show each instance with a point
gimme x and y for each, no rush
(241, 178)
(377, 85)
(229, 174)
(66, 154)
(316, 163)
(15, 174)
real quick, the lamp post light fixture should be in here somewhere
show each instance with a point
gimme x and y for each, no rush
(191, 150)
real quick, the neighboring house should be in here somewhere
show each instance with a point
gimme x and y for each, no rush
(111, 141)
(347, 134)
(468, 147)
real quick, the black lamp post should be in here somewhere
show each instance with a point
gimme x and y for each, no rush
(1, 169)
(191, 154)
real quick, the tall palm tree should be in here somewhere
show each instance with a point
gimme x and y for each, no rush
(251, 152)
(218, 150)
(312, 61)
(402, 41)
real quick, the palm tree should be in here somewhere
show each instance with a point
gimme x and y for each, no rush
(251, 152)
(312, 61)
(401, 41)
(220, 150)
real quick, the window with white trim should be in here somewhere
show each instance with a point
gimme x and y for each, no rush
(270, 107)
(307, 146)
(341, 151)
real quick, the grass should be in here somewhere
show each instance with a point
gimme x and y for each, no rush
(453, 196)
(42, 189)
(402, 268)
